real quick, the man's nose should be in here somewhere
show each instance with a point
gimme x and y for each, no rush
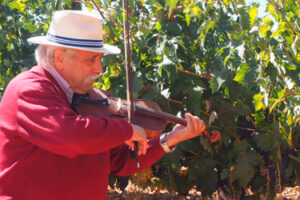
(97, 67)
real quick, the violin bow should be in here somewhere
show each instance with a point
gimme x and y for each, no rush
(130, 102)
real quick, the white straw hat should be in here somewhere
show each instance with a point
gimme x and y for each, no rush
(76, 30)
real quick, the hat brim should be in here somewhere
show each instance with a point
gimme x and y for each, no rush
(43, 40)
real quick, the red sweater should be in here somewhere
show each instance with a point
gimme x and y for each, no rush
(48, 152)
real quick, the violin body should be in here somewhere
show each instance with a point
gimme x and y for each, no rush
(98, 104)
(147, 114)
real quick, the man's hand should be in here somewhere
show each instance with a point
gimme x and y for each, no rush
(139, 136)
(195, 126)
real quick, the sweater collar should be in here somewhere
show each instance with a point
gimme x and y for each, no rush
(65, 86)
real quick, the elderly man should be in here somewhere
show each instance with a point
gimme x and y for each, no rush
(47, 150)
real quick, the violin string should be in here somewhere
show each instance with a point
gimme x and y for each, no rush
(160, 114)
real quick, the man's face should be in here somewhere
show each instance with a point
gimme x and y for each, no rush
(79, 68)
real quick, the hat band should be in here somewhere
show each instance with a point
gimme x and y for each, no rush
(87, 43)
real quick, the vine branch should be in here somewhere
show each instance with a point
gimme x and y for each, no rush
(194, 74)
(171, 18)
(100, 12)
(252, 121)
(233, 134)
(293, 30)
(102, 15)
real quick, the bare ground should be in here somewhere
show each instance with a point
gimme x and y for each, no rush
(133, 193)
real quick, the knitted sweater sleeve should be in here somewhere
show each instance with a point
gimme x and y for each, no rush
(39, 113)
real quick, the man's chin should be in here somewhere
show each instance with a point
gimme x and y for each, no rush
(83, 90)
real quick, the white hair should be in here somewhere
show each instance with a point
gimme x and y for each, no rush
(44, 55)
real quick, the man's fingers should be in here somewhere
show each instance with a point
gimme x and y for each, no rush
(130, 143)
(194, 124)
(142, 146)
(191, 122)
(145, 147)
(140, 137)
(203, 126)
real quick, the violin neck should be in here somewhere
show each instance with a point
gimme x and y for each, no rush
(158, 114)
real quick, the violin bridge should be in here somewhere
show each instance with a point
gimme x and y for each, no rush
(119, 104)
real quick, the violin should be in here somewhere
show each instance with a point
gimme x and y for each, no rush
(147, 113)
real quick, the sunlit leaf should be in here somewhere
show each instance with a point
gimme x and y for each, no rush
(188, 18)
(279, 30)
(196, 10)
(240, 50)
(241, 73)
(227, 57)
(17, 5)
(263, 30)
(289, 83)
(226, 2)
(157, 26)
(275, 104)
(216, 83)
(209, 26)
(252, 13)
(258, 101)
(271, 8)
(171, 3)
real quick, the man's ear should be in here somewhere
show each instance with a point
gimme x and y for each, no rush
(58, 58)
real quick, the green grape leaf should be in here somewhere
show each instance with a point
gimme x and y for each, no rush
(173, 28)
(244, 18)
(265, 141)
(206, 145)
(241, 73)
(201, 171)
(244, 170)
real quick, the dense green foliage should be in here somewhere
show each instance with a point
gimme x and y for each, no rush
(202, 57)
